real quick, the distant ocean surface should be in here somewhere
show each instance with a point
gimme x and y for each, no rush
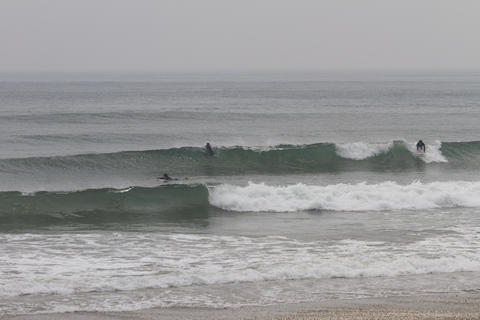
(315, 190)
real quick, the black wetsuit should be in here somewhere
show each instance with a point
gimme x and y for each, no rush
(208, 147)
(421, 146)
(165, 177)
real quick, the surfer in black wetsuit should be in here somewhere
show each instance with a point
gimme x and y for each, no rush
(208, 149)
(166, 177)
(421, 146)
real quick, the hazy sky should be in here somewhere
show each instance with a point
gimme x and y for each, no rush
(105, 35)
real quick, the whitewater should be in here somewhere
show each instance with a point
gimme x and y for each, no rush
(315, 192)
(346, 197)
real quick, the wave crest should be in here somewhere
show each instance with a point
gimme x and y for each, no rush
(361, 150)
(135, 167)
(260, 197)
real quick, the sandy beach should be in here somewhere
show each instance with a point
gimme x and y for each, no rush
(464, 306)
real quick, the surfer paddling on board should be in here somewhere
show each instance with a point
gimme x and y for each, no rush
(166, 178)
(208, 149)
(421, 146)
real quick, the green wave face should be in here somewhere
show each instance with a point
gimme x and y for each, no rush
(466, 153)
(135, 167)
(190, 161)
(99, 206)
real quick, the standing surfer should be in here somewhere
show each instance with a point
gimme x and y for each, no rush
(421, 146)
(208, 149)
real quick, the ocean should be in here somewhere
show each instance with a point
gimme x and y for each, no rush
(315, 190)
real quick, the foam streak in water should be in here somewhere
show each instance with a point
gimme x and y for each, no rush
(346, 197)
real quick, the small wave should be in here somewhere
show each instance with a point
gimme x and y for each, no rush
(260, 197)
(97, 206)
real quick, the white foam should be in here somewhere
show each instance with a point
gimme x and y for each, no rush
(361, 150)
(364, 150)
(88, 262)
(432, 152)
(122, 190)
(259, 197)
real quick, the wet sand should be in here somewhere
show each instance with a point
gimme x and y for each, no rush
(464, 306)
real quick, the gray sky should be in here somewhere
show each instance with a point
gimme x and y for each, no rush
(192, 35)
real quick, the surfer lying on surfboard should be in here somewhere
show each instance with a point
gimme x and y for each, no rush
(421, 146)
(209, 151)
(166, 177)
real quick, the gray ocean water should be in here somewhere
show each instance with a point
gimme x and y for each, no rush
(315, 190)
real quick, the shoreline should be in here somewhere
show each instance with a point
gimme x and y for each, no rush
(434, 306)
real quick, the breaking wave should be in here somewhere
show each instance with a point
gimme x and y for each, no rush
(346, 197)
(190, 202)
(281, 159)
